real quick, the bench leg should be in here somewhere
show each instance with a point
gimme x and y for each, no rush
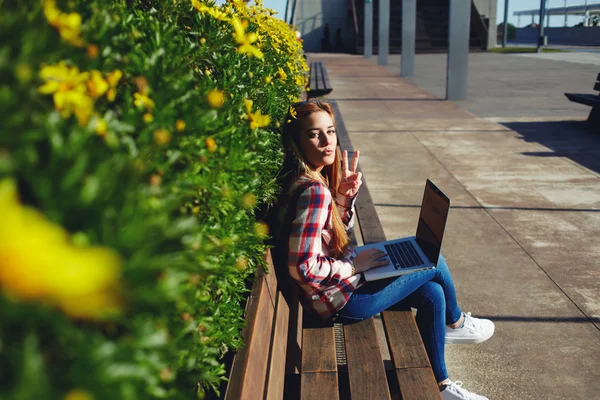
(594, 117)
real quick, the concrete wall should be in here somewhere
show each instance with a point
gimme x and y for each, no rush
(311, 17)
(577, 35)
(487, 9)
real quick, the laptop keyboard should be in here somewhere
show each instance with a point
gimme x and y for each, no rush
(403, 254)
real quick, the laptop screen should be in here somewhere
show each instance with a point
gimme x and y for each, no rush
(432, 221)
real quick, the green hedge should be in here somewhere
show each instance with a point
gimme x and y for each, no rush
(138, 137)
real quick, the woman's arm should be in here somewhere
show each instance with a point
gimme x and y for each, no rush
(307, 260)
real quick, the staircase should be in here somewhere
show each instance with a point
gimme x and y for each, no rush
(431, 30)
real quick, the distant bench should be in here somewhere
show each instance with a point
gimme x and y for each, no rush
(318, 82)
(288, 356)
(590, 100)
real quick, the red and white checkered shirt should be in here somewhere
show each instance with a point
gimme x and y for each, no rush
(326, 282)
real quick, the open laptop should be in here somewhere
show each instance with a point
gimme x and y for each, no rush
(420, 252)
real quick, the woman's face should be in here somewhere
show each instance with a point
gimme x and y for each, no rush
(318, 140)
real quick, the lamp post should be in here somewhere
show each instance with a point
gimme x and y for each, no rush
(541, 27)
(505, 29)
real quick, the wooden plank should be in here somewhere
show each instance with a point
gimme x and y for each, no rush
(406, 347)
(294, 347)
(326, 83)
(366, 372)
(323, 385)
(276, 379)
(249, 370)
(418, 384)
(318, 350)
(312, 85)
(271, 277)
(319, 366)
(319, 77)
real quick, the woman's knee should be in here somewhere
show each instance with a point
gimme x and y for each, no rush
(432, 295)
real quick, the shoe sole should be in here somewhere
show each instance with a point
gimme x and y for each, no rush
(458, 340)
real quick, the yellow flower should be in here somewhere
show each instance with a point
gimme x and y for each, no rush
(245, 40)
(293, 112)
(162, 137)
(148, 118)
(143, 101)
(101, 126)
(202, 40)
(68, 25)
(268, 79)
(215, 98)
(69, 90)
(213, 11)
(249, 201)
(97, 86)
(113, 80)
(78, 394)
(282, 74)
(180, 125)
(261, 229)
(39, 262)
(211, 145)
(93, 51)
(257, 120)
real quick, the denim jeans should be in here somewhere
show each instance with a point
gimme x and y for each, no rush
(431, 292)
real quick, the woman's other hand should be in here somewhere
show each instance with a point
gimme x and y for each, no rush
(351, 180)
(368, 259)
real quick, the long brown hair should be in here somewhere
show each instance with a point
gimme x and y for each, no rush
(296, 165)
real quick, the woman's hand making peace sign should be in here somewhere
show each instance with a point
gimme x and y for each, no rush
(351, 180)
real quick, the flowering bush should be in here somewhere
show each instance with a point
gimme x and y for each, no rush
(138, 138)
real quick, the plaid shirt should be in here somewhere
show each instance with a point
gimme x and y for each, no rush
(326, 282)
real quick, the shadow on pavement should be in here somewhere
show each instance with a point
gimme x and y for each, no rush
(570, 139)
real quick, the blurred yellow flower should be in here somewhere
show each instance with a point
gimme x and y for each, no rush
(245, 40)
(215, 98)
(97, 86)
(211, 145)
(293, 112)
(143, 101)
(162, 137)
(101, 127)
(257, 120)
(93, 51)
(261, 229)
(113, 80)
(39, 262)
(180, 125)
(68, 25)
(69, 90)
(78, 394)
(148, 118)
(249, 200)
(268, 79)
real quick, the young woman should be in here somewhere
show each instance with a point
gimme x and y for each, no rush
(315, 215)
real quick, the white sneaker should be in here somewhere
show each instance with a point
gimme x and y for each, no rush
(474, 330)
(454, 391)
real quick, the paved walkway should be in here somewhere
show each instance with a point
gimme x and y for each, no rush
(522, 239)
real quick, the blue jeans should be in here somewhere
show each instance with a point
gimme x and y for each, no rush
(431, 292)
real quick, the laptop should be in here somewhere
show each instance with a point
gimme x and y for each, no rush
(415, 253)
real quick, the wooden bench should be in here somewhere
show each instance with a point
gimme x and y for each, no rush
(290, 357)
(318, 82)
(590, 100)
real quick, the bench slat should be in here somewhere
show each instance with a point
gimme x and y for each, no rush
(597, 86)
(319, 76)
(366, 372)
(313, 78)
(415, 383)
(294, 347)
(319, 366)
(326, 82)
(415, 377)
(406, 346)
(322, 385)
(276, 380)
(249, 369)
(318, 350)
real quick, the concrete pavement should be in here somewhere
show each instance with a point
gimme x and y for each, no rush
(522, 235)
